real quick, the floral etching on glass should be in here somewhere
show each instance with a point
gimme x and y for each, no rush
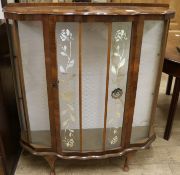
(68, 111)
(66, 38)
(118, 60)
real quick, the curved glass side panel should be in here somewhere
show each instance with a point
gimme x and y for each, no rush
(120, 47)
(34, 72)
(148, 69)
(67, 39)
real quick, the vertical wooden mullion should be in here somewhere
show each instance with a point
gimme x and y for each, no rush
(49, 26)
(133, 70)
(107, 83)
(21, 79)
(158, 79)
(80, 85)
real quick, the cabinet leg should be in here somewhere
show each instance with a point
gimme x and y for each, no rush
(126, 164)
(51, 161)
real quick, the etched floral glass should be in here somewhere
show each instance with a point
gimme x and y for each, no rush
(67, 57)
(120, 47)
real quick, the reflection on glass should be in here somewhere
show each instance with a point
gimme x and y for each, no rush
(33, 64)
(121, 36)
(149, 64)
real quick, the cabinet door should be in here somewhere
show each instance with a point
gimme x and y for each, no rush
(91, 104)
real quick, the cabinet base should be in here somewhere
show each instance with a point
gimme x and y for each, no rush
(51, 157)
(89, 155)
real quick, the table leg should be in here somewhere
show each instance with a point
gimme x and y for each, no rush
(172, 109)
(169, 83)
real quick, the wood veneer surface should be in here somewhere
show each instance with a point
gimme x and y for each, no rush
(87, 9)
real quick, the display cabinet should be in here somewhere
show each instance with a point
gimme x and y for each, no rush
(87, 76)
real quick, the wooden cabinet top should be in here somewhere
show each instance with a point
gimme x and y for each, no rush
(84, 10)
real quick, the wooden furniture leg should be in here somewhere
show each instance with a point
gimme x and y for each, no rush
(172, 109)
(169, 83)
(51, 161)
(126, 163)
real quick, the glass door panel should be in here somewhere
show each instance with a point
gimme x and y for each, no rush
(67, 41)
(94, 60)
(120, 47)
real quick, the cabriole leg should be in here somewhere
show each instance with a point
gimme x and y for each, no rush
(126, 164)
(51, 161)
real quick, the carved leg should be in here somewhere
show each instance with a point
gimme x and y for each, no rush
(126, 164)
(51, 161)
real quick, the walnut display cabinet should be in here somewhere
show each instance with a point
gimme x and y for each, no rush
(87, 76)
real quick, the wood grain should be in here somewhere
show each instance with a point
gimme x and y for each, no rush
(80, 10)
(52, 80)
(107, 83)
(134, 59)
